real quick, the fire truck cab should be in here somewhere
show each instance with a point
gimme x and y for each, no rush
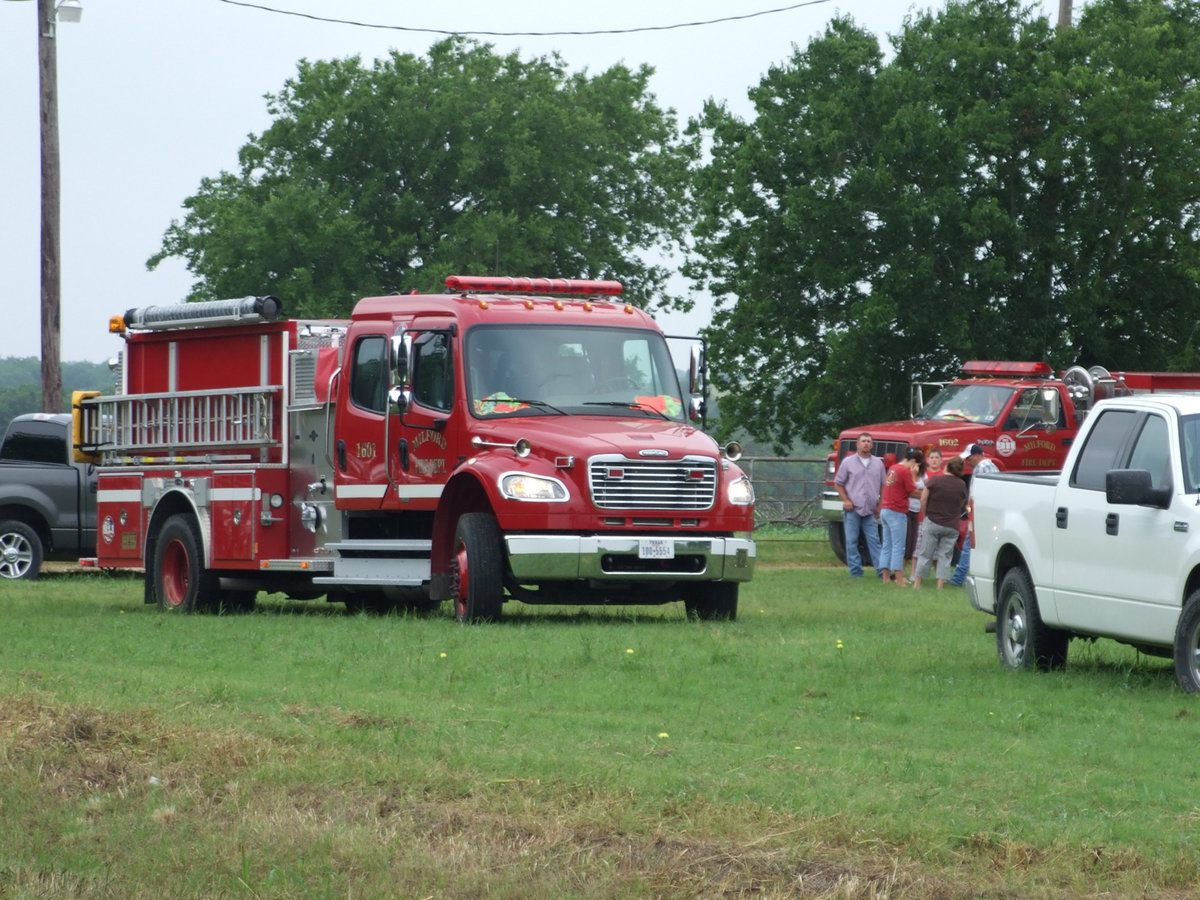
(509, 439)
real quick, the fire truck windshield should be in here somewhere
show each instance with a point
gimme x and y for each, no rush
(517, 370)
(982, 403)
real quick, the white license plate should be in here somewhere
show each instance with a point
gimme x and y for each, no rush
(649, 548)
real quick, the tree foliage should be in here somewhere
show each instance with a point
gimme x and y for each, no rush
(21, 379)
(389, 177)
(994, 190)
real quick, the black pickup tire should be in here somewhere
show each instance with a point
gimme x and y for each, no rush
(180, 581)
(1187, 645)
(21, 551)
(477, 569)
(1023, 640)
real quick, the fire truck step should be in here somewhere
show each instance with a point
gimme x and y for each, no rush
(381, 547)
(379, 570)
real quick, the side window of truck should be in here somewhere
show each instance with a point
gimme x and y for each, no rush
(433, 372)
(369, 373)
(38, 442)
(1108, 436)
(1151, 452)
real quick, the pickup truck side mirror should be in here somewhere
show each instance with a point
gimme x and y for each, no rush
(1133, 487)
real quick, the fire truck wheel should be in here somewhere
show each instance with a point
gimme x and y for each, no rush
(20, 550)
(180, 582)
(476, 569)
(1187, 645)
(712, 600)
(1023, 640)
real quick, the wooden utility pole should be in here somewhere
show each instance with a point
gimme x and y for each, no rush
(52, 389)
(1064, 14)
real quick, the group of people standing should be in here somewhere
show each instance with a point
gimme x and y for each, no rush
(919, 502)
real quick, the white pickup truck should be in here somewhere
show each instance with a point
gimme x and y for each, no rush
(1108, 547)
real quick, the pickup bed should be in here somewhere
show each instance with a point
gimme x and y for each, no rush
(47, 501)
(1108, 547)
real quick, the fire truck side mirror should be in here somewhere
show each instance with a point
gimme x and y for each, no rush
(399, 400)
(696, 370)
(400, 392)
(402, 348)
(1051, 403)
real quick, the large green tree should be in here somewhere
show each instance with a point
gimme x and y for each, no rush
(994, 190)
(390, 177)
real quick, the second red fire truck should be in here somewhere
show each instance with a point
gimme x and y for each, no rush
(1021, 414)
(510, 439)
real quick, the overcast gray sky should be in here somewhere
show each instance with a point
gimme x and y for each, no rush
(156, 94)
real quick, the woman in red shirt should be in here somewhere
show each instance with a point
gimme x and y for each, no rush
(893, 515)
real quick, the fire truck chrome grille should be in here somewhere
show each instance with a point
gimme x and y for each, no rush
(617, 482)
(881, 449)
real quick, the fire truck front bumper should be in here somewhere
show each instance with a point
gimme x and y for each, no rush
(538, 558)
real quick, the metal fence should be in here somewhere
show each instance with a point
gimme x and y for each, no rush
(787, 489)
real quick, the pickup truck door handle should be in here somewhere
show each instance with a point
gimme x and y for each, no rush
(1111, 521)
(1060, 517)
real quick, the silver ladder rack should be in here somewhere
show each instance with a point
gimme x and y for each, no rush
(183, 425)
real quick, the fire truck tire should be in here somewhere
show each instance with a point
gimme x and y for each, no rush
(477, 569)
(712, 600)
(1023, 640)
(180, 582)
(20, 551)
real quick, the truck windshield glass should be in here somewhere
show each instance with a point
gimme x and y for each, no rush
(1189, 427)
(981, 403)
(575, 370)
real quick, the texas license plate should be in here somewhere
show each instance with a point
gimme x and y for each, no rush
(649, 548)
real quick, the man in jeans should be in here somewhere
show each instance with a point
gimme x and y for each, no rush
(978, 463)
(859, 482)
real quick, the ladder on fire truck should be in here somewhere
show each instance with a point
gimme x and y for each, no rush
(233, 425)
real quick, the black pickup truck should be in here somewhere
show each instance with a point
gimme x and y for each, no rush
(47, 501)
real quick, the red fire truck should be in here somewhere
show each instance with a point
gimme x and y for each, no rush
(1020, 413)
(509, 439)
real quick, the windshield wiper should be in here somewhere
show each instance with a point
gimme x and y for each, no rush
(630, 404)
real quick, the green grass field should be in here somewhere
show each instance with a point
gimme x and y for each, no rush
(843, 738)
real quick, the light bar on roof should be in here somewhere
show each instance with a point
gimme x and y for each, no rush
(472, 283)
(983, 368)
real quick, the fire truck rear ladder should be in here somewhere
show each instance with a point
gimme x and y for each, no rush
(185, 426)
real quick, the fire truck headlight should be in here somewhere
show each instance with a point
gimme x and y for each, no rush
(741, 491)
(522, 486)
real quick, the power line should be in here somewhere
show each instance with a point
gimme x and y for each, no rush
(471, 31)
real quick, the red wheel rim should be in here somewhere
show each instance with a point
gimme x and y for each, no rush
(174, 574)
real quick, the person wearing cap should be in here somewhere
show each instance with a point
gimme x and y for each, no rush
(979, 463)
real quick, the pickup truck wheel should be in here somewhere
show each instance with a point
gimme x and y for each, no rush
(180, 582)
(476, 569)
(1023, 640)
(20, 550)
(1187, 645)
(712, 600)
